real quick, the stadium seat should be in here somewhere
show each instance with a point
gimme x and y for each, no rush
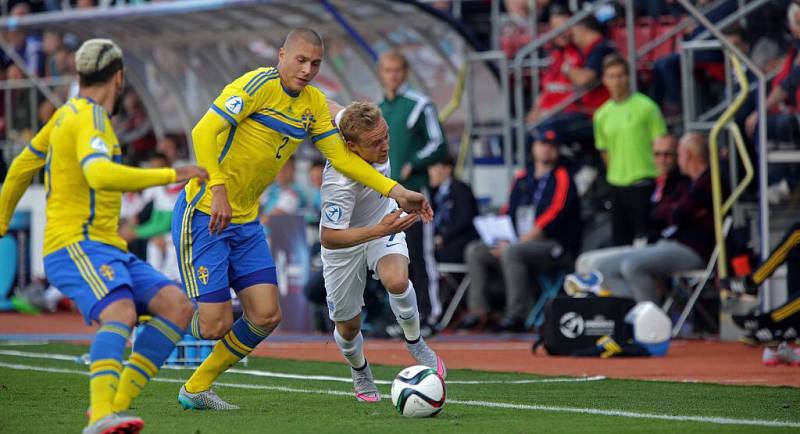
(691, 283)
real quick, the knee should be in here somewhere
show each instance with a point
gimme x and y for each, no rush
(176, 307)
(215, 328)
(126, 316)
(266, 320)
(395, 284)
(348, 332)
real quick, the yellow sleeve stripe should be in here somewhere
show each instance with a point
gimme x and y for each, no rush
(87, 270)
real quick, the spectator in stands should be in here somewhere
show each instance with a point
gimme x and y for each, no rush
(21, 99)
(284, 196)
(545, 209)
(416, 140)
(624, 129)
(28, 46)
(671, 188)
(576, 126)
(555, 85)
(170, 148)
(666, 85)
(783, 101)
(134, 129)
(51, 44)
(454, 207)
(687, 242)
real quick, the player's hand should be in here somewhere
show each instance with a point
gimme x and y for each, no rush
(499, 248)
(396, 222)
(186, 173)
(412, 202)
(221, 212)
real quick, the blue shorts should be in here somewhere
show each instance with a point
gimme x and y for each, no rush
(94, 275)
(210, 265)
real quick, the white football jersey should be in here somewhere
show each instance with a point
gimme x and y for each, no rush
(346, 203)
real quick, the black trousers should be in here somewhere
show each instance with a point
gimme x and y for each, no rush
(417, 271)
(630, 212)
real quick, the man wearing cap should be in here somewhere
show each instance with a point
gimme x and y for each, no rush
(85, 258)
(545, 210)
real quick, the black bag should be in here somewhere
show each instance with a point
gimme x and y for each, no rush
(572, 325)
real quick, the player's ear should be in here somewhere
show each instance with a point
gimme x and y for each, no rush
(351, 146)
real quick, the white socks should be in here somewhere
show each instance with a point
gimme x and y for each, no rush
(353, 350)
(405, 311)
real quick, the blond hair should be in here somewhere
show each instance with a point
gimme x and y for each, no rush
(357, 118)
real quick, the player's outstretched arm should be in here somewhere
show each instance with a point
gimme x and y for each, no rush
(392, 223)
(104, 174)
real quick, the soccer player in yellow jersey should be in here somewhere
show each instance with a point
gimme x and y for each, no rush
(243, 140)
(85, 257)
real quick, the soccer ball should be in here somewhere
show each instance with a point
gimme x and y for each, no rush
(418, 391)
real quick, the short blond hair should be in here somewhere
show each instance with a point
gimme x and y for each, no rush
(357, 118)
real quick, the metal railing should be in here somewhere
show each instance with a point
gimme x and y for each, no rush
(761, 98)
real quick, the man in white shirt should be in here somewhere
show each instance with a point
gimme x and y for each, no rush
(360, 230)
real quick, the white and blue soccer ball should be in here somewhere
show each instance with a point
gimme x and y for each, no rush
(418, 391)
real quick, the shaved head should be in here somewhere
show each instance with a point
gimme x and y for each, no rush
(305, 34)
(696, 143)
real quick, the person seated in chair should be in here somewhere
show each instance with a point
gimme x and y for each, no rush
(671, 186)
(454, 207)
(687, 241)
(545, 209)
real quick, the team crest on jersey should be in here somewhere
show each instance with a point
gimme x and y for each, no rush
(333, 213)
(202, 274)
(98, 144)
(308, 119)
(234, 105)
(107, 272)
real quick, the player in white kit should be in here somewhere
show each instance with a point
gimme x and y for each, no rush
(361, 230)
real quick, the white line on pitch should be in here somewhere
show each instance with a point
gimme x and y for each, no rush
(484, 404)
(257, 373)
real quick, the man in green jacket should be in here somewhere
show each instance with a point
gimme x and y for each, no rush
(416, 141)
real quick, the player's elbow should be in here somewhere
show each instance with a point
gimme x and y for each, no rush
(328, 240)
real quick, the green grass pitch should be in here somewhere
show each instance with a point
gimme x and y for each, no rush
(48, 394)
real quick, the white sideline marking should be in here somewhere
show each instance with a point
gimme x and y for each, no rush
(485, 404)
(256, 373)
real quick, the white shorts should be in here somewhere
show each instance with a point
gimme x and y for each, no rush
(345, 273)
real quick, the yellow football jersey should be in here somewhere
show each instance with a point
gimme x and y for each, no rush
(78, 134)
(267, 123)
